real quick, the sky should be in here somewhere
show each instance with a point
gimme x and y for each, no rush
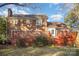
(55, 11)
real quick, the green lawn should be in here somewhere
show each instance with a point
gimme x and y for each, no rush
(39, 51)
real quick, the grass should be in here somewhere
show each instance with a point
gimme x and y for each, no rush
(39, 51)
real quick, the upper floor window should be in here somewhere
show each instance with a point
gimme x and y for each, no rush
(38, 22)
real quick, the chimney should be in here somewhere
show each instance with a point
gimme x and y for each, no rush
(9, 12)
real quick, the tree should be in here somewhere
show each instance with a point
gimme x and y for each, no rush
(21, 4)
(72, 19)
(2, 28)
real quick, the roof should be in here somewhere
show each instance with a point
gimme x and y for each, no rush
(56, 25)
(31, 15)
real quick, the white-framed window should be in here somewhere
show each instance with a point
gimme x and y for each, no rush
(38, 22)
(52, 31)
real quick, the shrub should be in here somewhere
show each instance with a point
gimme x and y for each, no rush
(20, 42)
(2, 39)
(2, 30)
(41, 41)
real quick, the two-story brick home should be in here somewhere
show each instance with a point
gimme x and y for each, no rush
(20, 23)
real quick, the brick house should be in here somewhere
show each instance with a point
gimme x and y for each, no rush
(20, 25)
(30, 26)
